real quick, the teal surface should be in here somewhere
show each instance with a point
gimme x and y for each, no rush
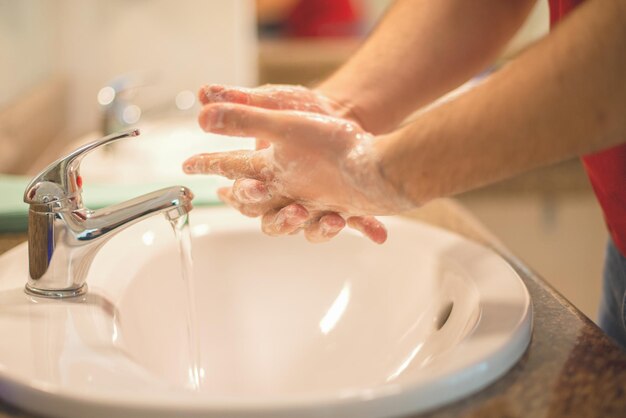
(14, 212)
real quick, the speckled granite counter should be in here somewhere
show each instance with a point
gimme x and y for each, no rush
(571, 369)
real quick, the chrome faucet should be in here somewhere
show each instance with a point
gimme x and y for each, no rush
(64, 236)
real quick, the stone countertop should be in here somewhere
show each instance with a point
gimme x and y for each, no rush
(571, 369)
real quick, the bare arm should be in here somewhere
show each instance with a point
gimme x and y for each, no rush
(421, 50)
(566, 96)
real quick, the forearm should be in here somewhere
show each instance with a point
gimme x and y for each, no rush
(421, 50)
(565, 96)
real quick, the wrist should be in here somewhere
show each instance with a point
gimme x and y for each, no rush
(341, 106)
(365, 171)
(360, 109)
(397, 184)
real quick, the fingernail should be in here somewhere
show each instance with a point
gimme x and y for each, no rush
(213, 90)
(375, 231)
(201, 165)
(189, 167)
(291, 216)
(327, 229)
(284, 216)
(296, 215)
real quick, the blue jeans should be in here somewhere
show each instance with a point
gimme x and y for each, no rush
(613, 305)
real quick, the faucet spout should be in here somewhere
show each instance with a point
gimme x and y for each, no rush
(90, 226)
(64, 236)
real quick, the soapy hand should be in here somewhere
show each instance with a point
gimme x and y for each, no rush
(318, 171)
(245, 192)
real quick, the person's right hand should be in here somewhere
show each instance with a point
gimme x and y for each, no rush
(287, 97)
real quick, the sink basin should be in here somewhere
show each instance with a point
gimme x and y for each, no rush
(284, 328)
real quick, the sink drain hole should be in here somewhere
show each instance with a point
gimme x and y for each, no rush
(444, 315)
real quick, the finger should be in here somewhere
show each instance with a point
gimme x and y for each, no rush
(216, 93)
(232, 165)
(370, 227)
(225, 194)
(255, 199)
(284, 221)
(271, 125)
(250, 191)
(325, 228)
(261, 144)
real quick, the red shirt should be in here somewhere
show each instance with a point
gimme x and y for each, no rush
(606, 169)
(323, 18)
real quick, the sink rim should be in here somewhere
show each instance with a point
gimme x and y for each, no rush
(390, 394)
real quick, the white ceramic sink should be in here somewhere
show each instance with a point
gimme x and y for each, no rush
(285, 328)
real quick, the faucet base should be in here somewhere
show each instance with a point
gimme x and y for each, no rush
(56, 293)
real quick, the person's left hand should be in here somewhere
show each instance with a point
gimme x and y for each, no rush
(319, 171)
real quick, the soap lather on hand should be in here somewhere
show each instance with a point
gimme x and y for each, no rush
(313, 170)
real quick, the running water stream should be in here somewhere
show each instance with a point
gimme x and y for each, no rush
(183, 236)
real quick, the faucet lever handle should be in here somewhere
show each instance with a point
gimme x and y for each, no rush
(61, 179)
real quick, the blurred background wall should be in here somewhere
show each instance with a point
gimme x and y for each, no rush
(29, 35)
(57, 55)
(175, 45)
